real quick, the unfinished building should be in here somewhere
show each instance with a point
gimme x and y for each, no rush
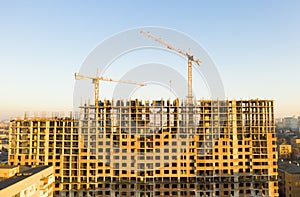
(155, 148)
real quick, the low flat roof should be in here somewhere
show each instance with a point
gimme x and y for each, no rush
(25, 174)
(289, 167)
(7, 167)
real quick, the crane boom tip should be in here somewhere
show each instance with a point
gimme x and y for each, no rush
(77, 76)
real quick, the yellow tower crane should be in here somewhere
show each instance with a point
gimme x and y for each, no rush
(185, 54)
(96, 80)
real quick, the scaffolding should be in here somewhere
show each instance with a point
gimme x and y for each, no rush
(155, 148)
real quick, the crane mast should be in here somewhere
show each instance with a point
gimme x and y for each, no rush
(189, 57)
(96, 80)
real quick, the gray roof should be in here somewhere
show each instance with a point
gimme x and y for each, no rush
(289, 167)
(7, 167)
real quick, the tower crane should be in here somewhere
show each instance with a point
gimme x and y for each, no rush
(96, 80)
(185, 54)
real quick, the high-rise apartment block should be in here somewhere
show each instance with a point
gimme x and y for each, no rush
(157, 148)
(290, 123)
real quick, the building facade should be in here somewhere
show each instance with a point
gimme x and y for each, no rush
(157, 148)
(285, 151)
(8, 171)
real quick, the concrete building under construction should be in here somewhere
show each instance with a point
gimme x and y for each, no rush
(155, 148)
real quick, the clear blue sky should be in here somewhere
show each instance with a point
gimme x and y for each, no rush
(254, 44)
